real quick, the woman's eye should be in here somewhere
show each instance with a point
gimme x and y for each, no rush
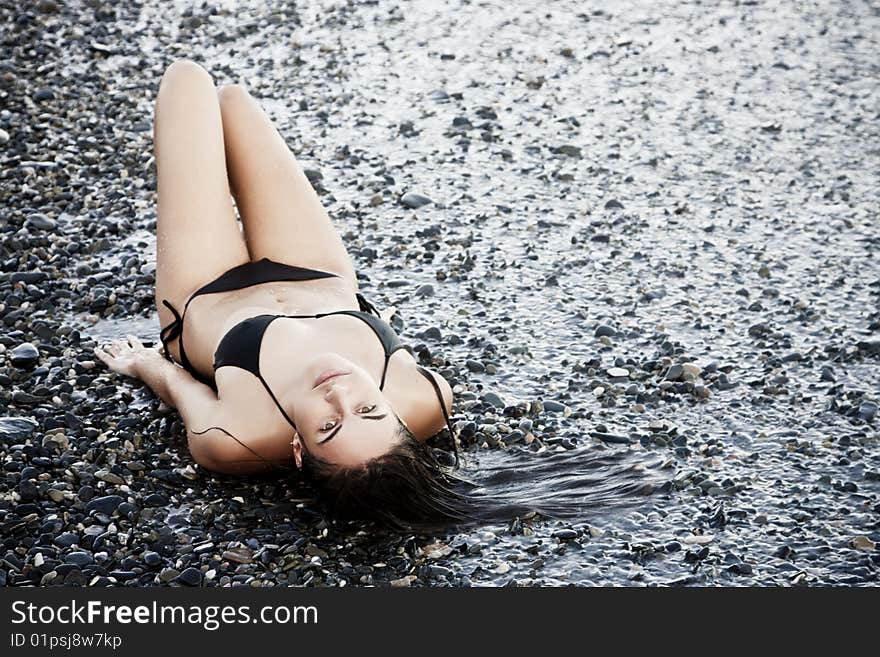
(364, 409)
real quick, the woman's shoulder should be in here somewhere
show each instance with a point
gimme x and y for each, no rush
(414, 398)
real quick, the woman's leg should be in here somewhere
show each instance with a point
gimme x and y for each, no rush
(197, 235)
(282, 215)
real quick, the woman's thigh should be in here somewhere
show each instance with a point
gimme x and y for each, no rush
(282, 214)
(197, 234)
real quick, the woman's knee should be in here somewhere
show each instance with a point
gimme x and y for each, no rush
(186, 69)
(229, 94)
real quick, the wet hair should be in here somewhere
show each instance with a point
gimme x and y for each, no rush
(404, 488)
(408, 488)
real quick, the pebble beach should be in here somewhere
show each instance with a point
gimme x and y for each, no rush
(640, 229)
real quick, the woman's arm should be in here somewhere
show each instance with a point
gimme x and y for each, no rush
(218, 439)
(207, 420)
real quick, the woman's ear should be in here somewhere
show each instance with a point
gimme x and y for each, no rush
(297, 450)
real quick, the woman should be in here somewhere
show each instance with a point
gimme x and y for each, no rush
(284, 363)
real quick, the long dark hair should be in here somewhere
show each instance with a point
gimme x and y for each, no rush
(409, 488)
(405, 487)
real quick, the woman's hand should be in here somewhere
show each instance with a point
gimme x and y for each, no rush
(127, 357)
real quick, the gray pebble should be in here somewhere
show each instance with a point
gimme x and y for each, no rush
(15, 430)
(24, 355)
(474, 366)
(80, 559)
(867, 410)
(190, 576)
(494, 399)
(674, 373)
(40, 222)
(106, 504)
(414, 201)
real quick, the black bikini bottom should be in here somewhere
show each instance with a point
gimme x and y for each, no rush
(241, 276)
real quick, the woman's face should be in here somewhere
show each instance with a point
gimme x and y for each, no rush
(344, 419)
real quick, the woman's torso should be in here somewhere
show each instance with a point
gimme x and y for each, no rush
(210, 316)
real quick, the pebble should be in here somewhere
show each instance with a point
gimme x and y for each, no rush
(190, 577)
(864, 543)
(24, 355)
(493, 399)
(565, 534)
(698, 539)
(152, 559)
(15, 430)
(474, 366)
(610, 437)
(674, 373)
(80, 559)
(414, 201)
(40, 222)
(239, 555)
(867, 410)
(106, 504)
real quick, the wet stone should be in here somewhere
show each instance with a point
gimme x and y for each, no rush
(40, 221)
(155, 499)
(106, 504)
(66, 539)
(238, 555)
(24, 355)
(494, 399)
(867, 410)
(152, 559)
(80, 559)
(15, 430)
(190, 577)
(414, 201)
(674, 373)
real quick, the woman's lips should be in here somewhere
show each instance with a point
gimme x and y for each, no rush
(329, 374)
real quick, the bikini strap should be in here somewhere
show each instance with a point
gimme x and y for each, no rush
(277, 403)
(430, 378)
(365, 305)
(174, 329)
(388, 356)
